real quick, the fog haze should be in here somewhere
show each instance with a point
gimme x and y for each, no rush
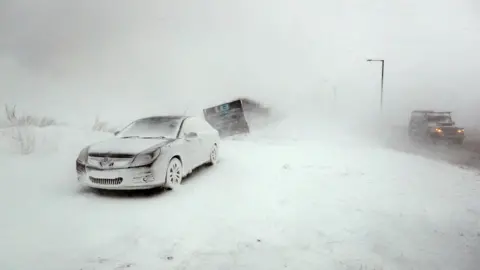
(78, 59)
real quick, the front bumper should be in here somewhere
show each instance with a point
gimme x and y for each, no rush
(119, 179)
(442, 136)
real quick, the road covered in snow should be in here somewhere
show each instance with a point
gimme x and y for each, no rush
(310, 200)
(466, 155)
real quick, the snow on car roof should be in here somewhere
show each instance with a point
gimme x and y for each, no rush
(180, 117)
(427, 112)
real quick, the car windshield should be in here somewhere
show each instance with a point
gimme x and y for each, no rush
(439, 118)
(154, 127)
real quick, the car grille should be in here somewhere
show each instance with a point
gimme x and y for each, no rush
(450, 131)
(111, 163)
(106, 181)
(110, 155)
(80, 167)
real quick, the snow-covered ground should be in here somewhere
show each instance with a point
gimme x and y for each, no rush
(301, 199)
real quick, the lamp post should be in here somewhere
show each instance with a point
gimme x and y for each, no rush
(381, 87)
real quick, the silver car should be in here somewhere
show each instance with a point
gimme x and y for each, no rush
(151, 152)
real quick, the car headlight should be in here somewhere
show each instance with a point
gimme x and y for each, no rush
(83, 155)
(460, 130)
(439, 130)
(145, 158)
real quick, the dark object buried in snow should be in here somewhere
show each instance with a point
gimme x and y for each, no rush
(238, 116)
(434, 126)
(252, 107)
(228, 118)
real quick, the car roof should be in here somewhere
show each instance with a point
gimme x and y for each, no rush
(173, 117)
(441, 112)
(416, 112)
(422, 111)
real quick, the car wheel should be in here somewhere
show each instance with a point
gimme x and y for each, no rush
(213, 155)
(173, 175)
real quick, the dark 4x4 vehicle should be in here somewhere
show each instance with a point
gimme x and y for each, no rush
(434, 126)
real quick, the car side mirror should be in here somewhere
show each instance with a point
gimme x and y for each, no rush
(191, 135)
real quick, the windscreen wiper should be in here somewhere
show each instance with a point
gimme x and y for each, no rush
(154, 137)
(144, 137)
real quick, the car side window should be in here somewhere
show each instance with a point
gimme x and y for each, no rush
(186, 127)
(197, 125)
(417, 120)
(194, 125)
(205, 126)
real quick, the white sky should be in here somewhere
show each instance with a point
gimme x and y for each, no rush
(83, 58)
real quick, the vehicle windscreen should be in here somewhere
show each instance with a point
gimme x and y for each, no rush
(439, 119)
(152, 127)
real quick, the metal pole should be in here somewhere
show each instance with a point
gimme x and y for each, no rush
(381, 90)
(381, 87)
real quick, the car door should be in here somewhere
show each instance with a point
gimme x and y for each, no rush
(207, 138)
(191, 145)
(416, 126)
(212, 133)
(204, 145)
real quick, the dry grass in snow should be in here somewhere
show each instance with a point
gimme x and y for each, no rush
(22, 128)
(26, 120)
(103, 126)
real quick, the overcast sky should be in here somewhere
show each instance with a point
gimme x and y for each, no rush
(110, 57)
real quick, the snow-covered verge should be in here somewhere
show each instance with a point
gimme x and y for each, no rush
(23, 133)
(45, 140)
(270, 203)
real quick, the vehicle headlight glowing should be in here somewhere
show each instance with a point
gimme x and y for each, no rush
(439, 130)
(460, 130)
(145, 158)
(83, 155)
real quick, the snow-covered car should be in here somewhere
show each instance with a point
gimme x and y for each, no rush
(150, 152)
